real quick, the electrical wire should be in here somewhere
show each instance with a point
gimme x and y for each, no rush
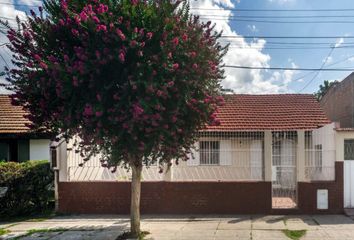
(318, 72)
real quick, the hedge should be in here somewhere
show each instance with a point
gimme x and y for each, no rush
(30, 188)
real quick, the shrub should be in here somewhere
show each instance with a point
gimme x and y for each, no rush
(30, 188)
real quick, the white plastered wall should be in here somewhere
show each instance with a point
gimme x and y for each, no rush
(39, 149)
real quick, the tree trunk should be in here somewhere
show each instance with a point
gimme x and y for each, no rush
(135, 200)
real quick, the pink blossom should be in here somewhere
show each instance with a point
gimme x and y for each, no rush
(193, 54)
(174, 119)
(75, 32)
(137, 110)
(185, 37)
(175, 41)
(99, 98)
(83, 16)
(120, 34)
(43, 65)
(122, 57)
(88, 110)
(169, 55)
(195, 66)
(149, 35)
(175, 66)
(142, 44)
(135, 2)
(133, 43)
(37, 57)
(99, 114)
(95, 19)
(120, 19)
(159, 93)
(101, 27)
(171, 84)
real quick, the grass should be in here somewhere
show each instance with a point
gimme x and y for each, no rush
(3, 231)
(294, 234)
(44, 230)
(127, 235)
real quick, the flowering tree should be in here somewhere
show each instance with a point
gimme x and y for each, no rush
(135, 80)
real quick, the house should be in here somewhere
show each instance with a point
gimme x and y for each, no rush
(338, 105)
(271, 154)
(338, 102)
(17, 142)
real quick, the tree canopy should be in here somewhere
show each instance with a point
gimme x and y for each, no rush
(324, 88)
(131, 78)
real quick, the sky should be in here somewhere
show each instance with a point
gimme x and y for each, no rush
(265, 52)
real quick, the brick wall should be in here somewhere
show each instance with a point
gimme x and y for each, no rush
(166, 197)
(194, 197)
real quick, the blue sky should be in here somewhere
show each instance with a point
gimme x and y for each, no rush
(257, 52)
(304, 58)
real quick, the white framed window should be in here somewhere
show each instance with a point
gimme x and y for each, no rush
(209, 152)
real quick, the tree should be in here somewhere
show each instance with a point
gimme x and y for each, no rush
(135, 80)
(324, 88)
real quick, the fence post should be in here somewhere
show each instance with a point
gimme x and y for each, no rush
(268, 156)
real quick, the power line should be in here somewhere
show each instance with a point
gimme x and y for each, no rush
(284, 22)
(275, 10)
(278, 17)
(288, 37)
(293, 69)
(18, 4)
(318, 72)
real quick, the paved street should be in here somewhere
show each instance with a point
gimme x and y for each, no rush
(321, 227)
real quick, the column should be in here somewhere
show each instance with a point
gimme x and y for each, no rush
(268, 162)
(300, 156)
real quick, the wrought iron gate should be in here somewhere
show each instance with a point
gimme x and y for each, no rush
(284, 194)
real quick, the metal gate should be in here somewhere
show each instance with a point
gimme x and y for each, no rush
(284, 194)
(349, 173)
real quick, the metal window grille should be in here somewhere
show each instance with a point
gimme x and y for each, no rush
(320, 154)
(209, 152)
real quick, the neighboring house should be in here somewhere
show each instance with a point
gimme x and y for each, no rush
(270, 154)
(17, 142)
(338, 102)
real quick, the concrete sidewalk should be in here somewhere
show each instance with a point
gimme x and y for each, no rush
(321, 227)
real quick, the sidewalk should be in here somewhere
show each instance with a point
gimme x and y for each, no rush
(318, 227)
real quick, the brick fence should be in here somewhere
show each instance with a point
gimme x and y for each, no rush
(193, 197)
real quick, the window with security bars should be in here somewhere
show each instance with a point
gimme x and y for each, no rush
(318, 157)
(209, 152)
(349, 149)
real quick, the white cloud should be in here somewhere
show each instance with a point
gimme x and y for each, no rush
(252, 28)
(282, 1)
(9, 12)
(328, 60)
(339, 42)
(244, 53)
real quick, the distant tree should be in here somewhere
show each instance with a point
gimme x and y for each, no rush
(134, 79)
(324, 88)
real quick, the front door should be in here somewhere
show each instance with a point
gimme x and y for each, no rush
(349, 173)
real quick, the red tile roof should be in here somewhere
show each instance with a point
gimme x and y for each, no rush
(243, 112)
(12, 118)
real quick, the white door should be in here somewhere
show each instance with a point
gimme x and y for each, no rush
(256, 150)
(349, 173)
